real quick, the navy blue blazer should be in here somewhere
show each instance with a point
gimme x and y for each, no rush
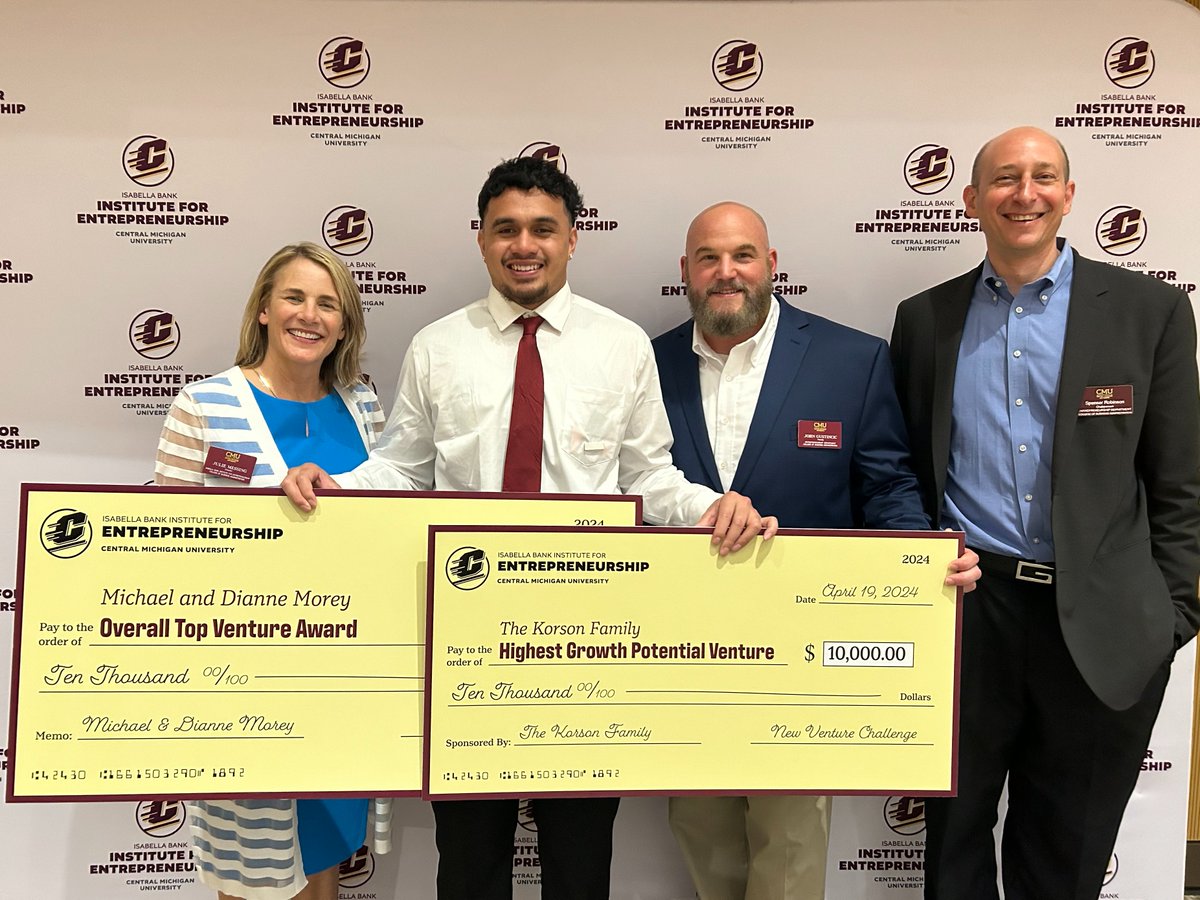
(818, 371)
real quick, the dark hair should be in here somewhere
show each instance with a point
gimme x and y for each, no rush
(529, 174)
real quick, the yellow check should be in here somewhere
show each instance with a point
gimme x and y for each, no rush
(204, 643)
(636, 661)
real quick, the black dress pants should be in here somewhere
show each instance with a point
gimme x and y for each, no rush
(1071, 762)
(475, 847)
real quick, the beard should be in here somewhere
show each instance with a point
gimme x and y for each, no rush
(756, 303)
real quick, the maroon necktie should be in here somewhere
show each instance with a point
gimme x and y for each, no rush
(523, 458)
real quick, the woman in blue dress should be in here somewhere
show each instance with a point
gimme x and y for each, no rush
(294, 395)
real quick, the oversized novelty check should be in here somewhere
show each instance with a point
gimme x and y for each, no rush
(207, 643)
(636, 661)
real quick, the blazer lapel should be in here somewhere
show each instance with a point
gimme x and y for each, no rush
(1084, 324)
(687, 378)
(783, 370)
(950, 313)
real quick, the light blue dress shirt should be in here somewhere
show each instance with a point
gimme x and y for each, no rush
(1002, 424)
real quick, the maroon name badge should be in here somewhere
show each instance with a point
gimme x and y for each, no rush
(819, 434)
(1107, 400)
(229, 464)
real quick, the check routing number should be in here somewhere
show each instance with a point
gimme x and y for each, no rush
(637, 661)
(205, 643)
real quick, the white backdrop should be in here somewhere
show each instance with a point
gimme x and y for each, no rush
(126, 110)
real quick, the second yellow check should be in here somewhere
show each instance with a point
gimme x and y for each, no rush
(634, 661)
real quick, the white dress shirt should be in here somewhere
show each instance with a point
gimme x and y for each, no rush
(729, 389)
(605, 429)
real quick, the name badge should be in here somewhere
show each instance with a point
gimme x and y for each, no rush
(229, 464)
(819, 434)
(1107, 400)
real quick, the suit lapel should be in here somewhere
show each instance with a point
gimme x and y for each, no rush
(687, 380)
(950, 313)
(1085, 321)
(783, 370)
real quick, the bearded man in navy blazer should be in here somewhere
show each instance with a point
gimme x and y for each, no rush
(1054, 415)
(746, 383)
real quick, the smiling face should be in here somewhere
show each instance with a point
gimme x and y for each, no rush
(728, 269)
(526, 240)
(1020, 197)
(303, 317)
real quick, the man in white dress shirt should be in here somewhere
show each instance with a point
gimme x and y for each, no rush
(604, 430)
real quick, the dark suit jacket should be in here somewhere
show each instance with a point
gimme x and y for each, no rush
(818, 370)
(1125, 503)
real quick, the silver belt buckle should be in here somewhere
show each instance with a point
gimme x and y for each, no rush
(1035, 572)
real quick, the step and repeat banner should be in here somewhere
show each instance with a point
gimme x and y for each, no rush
(155, 156)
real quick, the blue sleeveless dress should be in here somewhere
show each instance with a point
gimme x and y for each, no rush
(323, 432)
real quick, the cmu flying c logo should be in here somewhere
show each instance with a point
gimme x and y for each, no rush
(344, 62)
(154, 333)
(547, 152)
(928, 169)
(1121, 230)
(467, 568)
(1129, 62)
(347, 230)
(737, 65)
(66, 533)
(148, 160)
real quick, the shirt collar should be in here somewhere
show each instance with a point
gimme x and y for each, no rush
(1059, 274)
(756, 348)
(554, 310)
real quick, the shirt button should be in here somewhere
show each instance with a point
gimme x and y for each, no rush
(1017, 354)
(1037, 540)
(1019, 310)
(1021, 448)
(1020, 402)
(1045, 297)
(1028, 497)
(999, 282)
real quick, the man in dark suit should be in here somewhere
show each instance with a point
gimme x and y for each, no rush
(1052, 406)
(745, 382)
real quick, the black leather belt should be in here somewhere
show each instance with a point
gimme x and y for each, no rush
(1028, 571)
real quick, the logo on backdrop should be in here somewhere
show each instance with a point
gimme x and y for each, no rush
(1129, 62)
(345, 62)
(339, 119)
(146, 216)
(929, 224)
(1121, 230)
(929, 169)
(66, 533)
(357, 870)
(737, 65)
(467, 568)
(905, 815)
(736, 120)
(161, 818)
(544, 150)
(148, 160)
(1120, 118)
(347, 230)
(154, 333)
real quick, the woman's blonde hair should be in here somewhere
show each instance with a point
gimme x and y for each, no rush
(341, 367)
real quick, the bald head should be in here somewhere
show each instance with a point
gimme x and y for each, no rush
(728, 267)
(728, 212)
(1021, 132)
